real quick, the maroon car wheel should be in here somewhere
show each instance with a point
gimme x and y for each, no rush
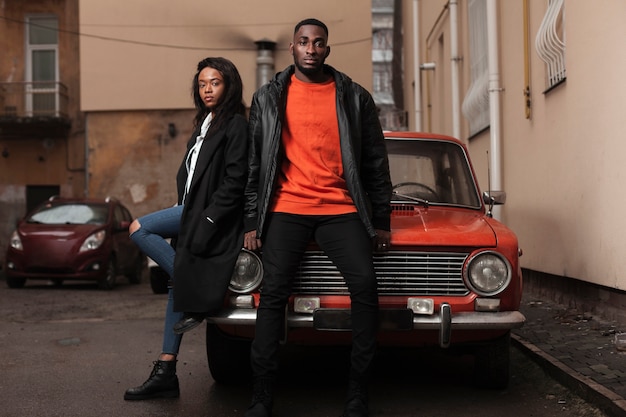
(107, 282)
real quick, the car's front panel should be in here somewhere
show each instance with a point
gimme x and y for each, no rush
(418, 290)
(61, 240)
(452, 274)
(55, 252)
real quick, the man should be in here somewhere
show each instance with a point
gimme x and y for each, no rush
(318, 170)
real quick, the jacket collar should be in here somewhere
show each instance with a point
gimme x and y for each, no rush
(282, 78)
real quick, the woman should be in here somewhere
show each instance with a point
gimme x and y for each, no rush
(206, 224)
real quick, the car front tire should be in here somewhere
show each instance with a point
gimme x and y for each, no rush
(136, 274)
(107, 282)
(492, 363)
(16, 282)
(159, 280)
(228, 357)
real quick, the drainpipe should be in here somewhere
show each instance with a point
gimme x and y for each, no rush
(495, 157)
(454, 67)
(86, 191)
(527, 98)
(416, 68)
(264, 61)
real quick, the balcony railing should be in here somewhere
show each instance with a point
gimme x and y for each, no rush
(39, 100)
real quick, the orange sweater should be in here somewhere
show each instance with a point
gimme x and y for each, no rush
(311, 176)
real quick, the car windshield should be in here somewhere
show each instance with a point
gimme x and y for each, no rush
(431, 172)
(70, 214)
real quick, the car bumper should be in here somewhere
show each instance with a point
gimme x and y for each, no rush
(78, 276)
(397, 319)
(88, 273)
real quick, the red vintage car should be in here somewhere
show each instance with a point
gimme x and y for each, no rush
(452, 277)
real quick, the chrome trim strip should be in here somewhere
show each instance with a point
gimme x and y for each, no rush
(459, 321)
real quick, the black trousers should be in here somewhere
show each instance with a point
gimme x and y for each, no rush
(345, 241)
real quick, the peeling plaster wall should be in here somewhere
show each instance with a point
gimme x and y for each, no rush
(133, 158)
(12, 207)
(34, 159)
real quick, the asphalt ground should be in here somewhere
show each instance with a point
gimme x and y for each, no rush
(578, 349)
(105, 349)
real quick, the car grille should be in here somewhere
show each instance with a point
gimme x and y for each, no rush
(398, 273)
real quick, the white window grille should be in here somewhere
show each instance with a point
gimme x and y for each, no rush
(476, 103)
(550, 42)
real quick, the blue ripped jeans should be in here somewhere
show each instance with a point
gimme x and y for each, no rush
(151, 239)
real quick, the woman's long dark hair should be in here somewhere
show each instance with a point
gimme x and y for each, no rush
(231, 103)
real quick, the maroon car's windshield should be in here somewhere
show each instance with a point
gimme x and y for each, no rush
(70, 214)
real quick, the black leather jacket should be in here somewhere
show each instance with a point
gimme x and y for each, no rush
(363, 151)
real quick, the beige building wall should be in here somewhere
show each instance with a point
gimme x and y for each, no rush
(38, 158)
(137, 62)
(42, 156)
(562, 167)
(141, 54)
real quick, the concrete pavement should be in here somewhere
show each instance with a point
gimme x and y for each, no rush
(578, 349)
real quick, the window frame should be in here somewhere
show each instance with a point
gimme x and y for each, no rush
(475, 105)
(49, 87)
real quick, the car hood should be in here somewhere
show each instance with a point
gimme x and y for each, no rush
(437, 226)
(57, 232)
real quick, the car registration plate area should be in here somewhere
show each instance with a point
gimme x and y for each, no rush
(339, 319)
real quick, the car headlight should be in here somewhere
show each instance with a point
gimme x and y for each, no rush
(488, 273)
(94, 241)
(15, 241)
(247, 274)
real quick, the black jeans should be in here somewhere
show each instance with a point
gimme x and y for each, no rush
(346, 242)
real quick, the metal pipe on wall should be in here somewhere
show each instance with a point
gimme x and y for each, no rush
(417, 91)
(527, 98)
(86, 190)
(454, 68)
(495, 140)
(265, 61)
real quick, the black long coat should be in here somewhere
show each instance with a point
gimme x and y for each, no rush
(206, 251)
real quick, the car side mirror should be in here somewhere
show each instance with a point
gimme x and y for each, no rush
(492, 198)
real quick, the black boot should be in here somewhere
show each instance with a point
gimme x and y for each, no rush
(162, 383)
(262, 398)
(356, 400)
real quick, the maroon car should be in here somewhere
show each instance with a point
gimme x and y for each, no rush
(74, 239)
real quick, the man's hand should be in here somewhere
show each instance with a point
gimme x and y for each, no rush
(382, 241)
(250, 241)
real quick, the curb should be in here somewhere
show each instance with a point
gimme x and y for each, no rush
(606, 400)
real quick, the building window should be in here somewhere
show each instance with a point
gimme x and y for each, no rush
(42, 49)
(382, 79)
(476, 103)
(550, 43)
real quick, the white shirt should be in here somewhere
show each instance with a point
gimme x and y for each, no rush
(192, 156)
